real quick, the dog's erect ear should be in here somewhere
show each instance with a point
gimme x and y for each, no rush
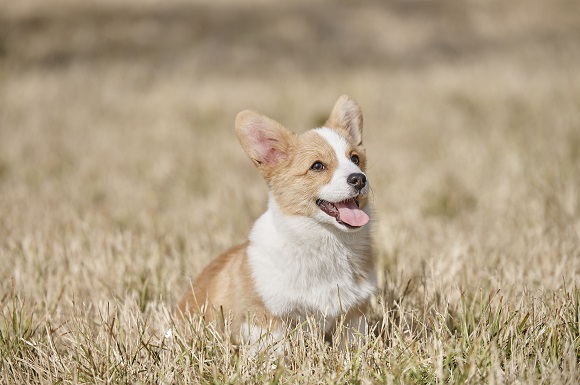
(265, 141)
(347, 117)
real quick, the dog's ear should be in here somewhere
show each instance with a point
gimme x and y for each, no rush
(265, 141)
(346, 116)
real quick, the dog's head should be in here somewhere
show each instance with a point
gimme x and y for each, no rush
(320, 173)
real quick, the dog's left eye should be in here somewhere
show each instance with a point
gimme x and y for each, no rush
(355, 159)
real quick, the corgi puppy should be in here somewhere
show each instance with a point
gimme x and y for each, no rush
(309, 254)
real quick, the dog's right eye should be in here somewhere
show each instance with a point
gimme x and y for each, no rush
(318, 166)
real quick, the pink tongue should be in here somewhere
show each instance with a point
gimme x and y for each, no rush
(349, 213)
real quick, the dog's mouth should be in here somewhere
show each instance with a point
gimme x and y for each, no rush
(346, 212)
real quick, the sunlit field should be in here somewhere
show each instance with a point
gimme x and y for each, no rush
(121, 177)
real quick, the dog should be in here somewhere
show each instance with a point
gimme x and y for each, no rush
(309, 254)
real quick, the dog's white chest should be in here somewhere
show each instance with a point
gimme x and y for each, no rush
(302, 269)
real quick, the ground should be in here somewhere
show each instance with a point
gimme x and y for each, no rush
(121, 177)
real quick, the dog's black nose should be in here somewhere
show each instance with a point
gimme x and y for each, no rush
(357, 180)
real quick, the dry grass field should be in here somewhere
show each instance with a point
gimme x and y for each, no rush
(121, 177)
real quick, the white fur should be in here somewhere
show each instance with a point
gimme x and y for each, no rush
(302, 266)
(337, 189)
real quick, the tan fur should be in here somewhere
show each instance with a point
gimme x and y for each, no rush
(225, 289)
(295, 185)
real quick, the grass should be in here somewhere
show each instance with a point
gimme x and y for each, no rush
(121, 177)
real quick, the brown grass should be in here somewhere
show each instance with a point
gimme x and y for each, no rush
(121, 177)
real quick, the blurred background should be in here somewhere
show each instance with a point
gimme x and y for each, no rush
(119, 163)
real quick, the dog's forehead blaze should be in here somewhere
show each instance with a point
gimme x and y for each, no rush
(343, 146)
